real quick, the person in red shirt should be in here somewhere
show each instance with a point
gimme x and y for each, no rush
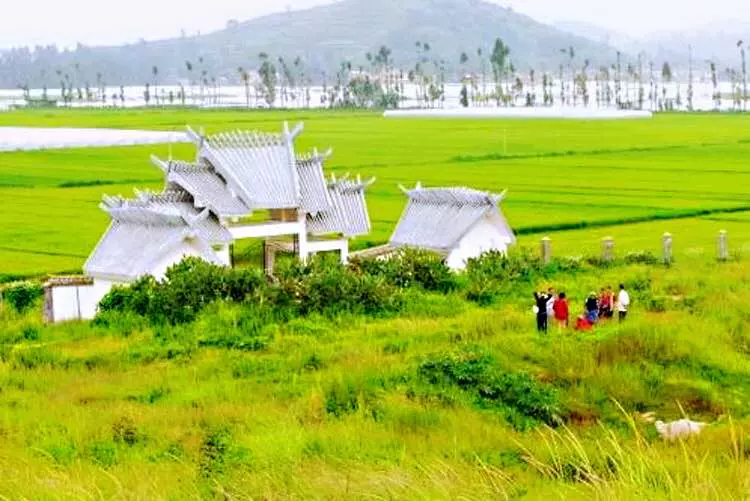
(562, 313)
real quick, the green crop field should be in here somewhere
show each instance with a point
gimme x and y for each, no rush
(560, 174)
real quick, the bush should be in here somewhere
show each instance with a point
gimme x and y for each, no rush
(409, 268)
(186, 290)
(521, 399)
(643, 257)
(22, 296)
(490, 273)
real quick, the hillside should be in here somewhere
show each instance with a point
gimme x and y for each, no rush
(322, 37)
(715, 42)
(414, 394)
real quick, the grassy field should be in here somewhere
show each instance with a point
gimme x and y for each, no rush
(354, 407)
(560, 174)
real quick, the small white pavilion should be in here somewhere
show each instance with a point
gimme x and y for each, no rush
(206, 206)
(458, 223)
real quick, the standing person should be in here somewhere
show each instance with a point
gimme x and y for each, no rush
(623, 303)
(561, 311)
(592, 308)
(541, 310)
(551, 303)
(606, 303)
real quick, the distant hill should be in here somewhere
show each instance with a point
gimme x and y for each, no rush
(715, 42)
(322, 37)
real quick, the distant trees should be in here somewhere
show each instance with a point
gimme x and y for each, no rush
(268, 80)
(499, 61)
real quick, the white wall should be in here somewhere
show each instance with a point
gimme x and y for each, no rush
(180, 252)
(78, 302)
(483, 237)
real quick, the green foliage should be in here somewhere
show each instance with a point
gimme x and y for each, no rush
(521, 399)
(22, 296)
(213, 451)
(411, 267)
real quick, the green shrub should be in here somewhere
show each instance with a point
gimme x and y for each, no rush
(409, 268)
(521, 399)
(643, 257)
(524, 396)
(22, 296)
(213, 451)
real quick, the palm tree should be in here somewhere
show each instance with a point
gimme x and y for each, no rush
(245, 77)
(744, 74)
(155, 73)
(690, 78)
(189, 67)
(666, 78)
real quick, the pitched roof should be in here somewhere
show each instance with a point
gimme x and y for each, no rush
(145, 228)
(348, 214)
(206, 186)
(259, 167)
(312, 181)
(437, 218)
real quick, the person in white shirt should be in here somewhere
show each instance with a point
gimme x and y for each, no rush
(623, 302)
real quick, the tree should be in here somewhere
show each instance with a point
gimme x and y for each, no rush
(267, 73)
(155, 73)
(618, 81)
(499, 61)
(690, 79)
(189, 67)
(666, 79)
(715, 82)
(744, 75)
(245, 77)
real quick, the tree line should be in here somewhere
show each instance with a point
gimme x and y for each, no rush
(487, 78)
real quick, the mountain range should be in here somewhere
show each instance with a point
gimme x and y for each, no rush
(322, 37)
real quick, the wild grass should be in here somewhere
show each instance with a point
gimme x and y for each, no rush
(446, 400)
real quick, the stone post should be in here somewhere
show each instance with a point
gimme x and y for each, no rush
(608, 249)
(546, 250)
(723, 246)
(666, 241)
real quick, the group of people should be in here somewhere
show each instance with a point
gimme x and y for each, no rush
(550, 305)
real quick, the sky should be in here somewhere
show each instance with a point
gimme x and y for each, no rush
(93, 22)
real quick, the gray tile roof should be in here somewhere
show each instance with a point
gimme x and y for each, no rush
(206, 186)
(437, 218)
(349, 214)
(312, 181)
(259, 167)
(146, 228)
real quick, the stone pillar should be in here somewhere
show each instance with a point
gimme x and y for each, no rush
(723, 246)
(608, 249)
(269, 257)
(546, 250)
(345, 252)
(666, 241)
(49, 308)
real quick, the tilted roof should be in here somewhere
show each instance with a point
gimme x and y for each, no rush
(313, 187)
(206, 186)
(259, 167)
(437, 218)
(348, 214)
(145, 228)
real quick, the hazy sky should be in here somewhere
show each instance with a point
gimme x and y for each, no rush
(94, 22)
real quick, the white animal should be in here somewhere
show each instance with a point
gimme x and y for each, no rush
(683, 428)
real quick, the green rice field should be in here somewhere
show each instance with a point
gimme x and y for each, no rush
(575, 181)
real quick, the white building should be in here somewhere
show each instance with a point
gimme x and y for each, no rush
(458, 223)
(205, 207)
